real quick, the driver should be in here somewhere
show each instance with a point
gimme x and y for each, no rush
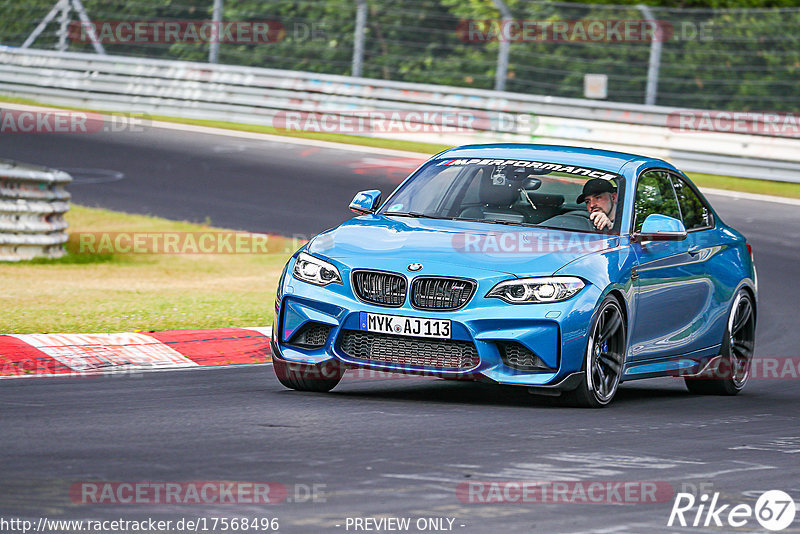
(600, 196)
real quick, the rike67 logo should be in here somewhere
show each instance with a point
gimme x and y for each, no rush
(774, 510)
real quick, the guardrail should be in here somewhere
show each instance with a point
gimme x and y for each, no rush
(257, 95)
(33, 201)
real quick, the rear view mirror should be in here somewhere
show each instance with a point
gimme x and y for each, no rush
(531, 184)
(659, 227)
(366, 201)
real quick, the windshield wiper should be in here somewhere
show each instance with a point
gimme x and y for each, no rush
(467, 219)
(410, 214)
(492, 221)
(418, 215)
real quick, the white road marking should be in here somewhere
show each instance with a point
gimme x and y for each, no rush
(263, 330)
(621, 461)
(787, 445)
(753, 467)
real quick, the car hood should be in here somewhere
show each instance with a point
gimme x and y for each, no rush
(452, 247)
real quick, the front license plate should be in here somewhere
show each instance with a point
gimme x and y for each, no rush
(405, 326)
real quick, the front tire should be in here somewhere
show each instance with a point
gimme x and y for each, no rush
(305, 377)
(605, 356)
(738, 346)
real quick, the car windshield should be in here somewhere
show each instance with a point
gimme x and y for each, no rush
(516, 192)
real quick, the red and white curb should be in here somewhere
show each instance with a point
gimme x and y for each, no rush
(89, 354)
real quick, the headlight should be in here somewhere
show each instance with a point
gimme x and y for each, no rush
(536, 290)
(315, 271)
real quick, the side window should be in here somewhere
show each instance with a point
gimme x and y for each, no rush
(654, 194)
(695, 213)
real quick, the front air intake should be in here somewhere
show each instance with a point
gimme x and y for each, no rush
(446, 354)
(311, 336)
(519, 357)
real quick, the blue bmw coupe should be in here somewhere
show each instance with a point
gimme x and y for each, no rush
(564, 270)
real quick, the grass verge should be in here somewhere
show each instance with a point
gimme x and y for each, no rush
(745, 185)
(101, 291)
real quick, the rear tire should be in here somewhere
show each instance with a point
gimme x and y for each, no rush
(738, 344)
(605, 356)
(305, 377)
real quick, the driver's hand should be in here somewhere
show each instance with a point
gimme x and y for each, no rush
(600, 220)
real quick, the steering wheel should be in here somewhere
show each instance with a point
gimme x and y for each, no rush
(573, 220)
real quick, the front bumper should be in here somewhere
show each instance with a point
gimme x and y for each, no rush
(555, 332)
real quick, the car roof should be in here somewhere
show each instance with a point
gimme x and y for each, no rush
(606, 160)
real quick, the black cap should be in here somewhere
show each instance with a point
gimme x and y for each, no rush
(595, 186)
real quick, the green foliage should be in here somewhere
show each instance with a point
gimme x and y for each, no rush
(714, 56)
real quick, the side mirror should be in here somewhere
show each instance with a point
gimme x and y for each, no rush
(659, 227)
(366, 201)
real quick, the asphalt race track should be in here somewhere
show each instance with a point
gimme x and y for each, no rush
(239, 183)
(377, 447)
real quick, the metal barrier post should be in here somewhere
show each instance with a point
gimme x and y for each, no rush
(216, 19)
(358, 38)
(501, 72)
(654, 63)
